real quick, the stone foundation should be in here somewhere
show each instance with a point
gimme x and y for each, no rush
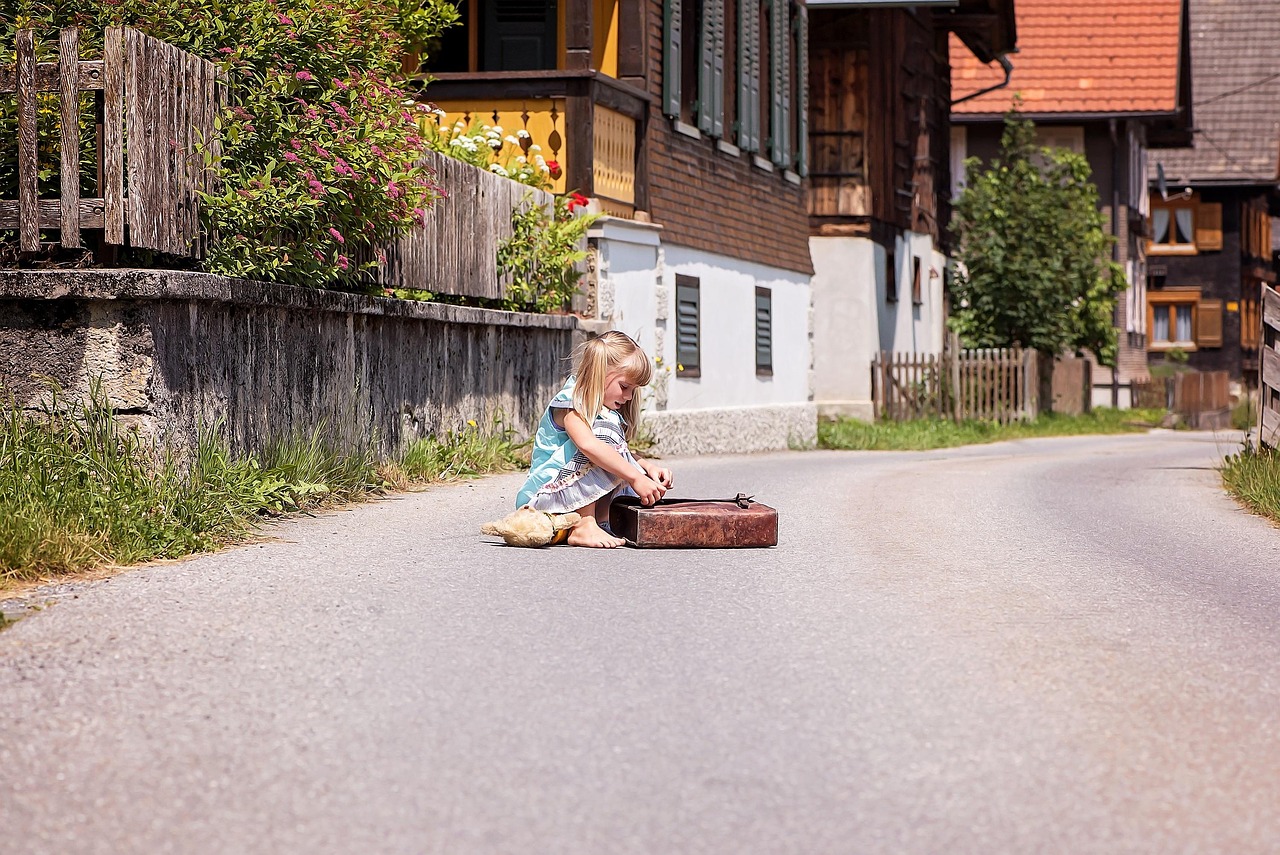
(733, 429)
(177, 352)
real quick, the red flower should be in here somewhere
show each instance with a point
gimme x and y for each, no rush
(553, 166)
(576, 200)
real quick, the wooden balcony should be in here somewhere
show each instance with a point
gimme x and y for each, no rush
(592, 125)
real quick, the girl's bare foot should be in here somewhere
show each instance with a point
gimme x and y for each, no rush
(588, 533)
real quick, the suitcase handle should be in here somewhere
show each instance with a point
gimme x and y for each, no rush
(742, 500)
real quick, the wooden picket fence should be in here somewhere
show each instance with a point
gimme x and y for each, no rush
(455, 250)
(995, 384)
(1269, 370)
(153, 104)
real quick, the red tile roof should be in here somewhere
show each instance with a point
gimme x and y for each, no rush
(1086, 56)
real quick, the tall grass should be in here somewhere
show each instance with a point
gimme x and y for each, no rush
(924, 434)
(1253, 478)
(78, 492)
(466, 453)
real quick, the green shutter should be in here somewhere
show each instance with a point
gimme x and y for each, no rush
(802, 144)
(780, 80)
(746, 68)
(671, 57)
(705, 104)
(688, 309)
(717, 72)
(749, 75)
(764, 331)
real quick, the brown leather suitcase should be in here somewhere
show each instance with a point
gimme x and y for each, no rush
(715, 523)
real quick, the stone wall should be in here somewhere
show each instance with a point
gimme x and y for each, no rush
(176, 352)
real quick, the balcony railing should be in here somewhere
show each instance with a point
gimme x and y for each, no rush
(590, 124)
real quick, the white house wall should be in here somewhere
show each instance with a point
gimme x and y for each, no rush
(854, 318)
(729, 408)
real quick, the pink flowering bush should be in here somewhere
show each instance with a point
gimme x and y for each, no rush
(320, 146)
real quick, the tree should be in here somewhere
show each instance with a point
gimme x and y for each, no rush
(1034, 259)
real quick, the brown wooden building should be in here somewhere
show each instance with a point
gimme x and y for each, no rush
(879, 204)
(686, 121)
(1211, 239)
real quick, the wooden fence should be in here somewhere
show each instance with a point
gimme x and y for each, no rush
(1203, 398)
(153, 104)
(455, 250)
(997, 384)
(1269, 370)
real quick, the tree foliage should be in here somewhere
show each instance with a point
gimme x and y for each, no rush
(1033, 254)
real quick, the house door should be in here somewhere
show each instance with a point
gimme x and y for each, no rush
(519, 35)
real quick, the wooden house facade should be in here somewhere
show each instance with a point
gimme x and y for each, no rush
(685, 121)
(879, 171)
(1210, 247)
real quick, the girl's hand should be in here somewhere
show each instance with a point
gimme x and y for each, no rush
(649, 490)
(657, 473)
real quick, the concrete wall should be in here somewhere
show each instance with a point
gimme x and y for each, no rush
(854, 319)
(180, 351)
(729, 408)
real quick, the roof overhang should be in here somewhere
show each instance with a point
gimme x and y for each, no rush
(988, 28)
(1064, 118)
(877, 4)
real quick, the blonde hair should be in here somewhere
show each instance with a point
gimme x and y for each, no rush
(594, 360)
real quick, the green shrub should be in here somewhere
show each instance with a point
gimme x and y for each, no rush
(320, 148)
(543, 252)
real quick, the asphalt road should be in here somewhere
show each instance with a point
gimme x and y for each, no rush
(1063, 645)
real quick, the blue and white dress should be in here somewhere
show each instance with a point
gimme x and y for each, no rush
(562, 478)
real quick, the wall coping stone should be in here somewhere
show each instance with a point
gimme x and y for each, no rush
(136, 284)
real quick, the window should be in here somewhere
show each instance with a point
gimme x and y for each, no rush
(917, 287)
(764, 332)
(1173, 228)
(890, 275)
(738, 70)
(688, 311)
(1185, 227)
(1182, 319)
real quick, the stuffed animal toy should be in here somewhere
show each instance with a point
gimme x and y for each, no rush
(527, 527)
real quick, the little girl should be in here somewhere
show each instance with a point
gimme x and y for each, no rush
(580, 455)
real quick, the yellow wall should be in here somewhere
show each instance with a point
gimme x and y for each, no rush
(604, 53)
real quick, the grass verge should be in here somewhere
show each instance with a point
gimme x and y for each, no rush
(924, 434)
(77, 493)
(1253, 478)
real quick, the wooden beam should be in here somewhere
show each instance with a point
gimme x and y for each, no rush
(48, 79)
(113, 135)
(68, 58)
(89, 214)
(28, 164)
(577, 36)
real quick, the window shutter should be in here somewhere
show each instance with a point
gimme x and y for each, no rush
(780, 78)
(688, 310)
(1209, 226)
(717, 71)
(1209, 323)
(764, 331)
(754, 50)
(748, 56)
(802, 144)
(706, 65)
(671, 57)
